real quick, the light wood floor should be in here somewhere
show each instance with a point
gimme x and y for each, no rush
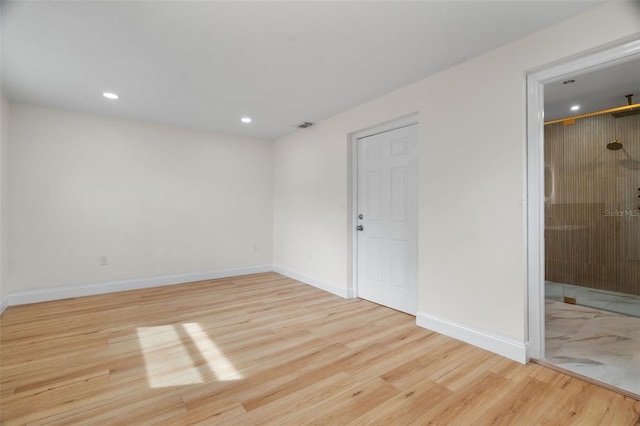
(265, 349)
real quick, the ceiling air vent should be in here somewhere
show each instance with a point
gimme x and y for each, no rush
(304, 125)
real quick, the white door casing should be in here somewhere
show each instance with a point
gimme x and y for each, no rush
(626, 50)
(387, 211)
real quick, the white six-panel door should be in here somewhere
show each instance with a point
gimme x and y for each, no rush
(387, 209)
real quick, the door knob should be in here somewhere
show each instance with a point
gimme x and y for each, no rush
(359, 228)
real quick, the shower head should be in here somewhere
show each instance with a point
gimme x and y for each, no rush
(629, 112)
(614, 145)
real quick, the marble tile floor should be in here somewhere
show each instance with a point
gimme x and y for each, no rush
(602, 345)
(611, 301)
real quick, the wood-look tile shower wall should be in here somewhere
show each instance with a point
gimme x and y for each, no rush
(592, 203)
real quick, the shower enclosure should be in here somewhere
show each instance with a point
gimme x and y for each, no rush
(592, 211)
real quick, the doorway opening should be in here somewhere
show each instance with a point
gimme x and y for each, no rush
(584, 249)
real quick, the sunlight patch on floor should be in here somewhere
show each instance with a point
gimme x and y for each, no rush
(217, 362)
(168, 361)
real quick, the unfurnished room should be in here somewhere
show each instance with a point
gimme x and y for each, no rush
(320, 212)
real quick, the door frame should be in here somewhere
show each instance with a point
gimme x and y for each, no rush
(614, 53)
(352, 195)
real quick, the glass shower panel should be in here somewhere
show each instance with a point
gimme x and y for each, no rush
(592, 212)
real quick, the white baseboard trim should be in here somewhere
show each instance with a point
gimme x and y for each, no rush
(338, 291)
(4, 304)
(45, 295)
(500, 345)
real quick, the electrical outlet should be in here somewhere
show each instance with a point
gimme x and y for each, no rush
(103, 260)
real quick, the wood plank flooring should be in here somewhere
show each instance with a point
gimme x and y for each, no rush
(265, 349)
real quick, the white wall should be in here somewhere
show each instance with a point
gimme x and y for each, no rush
(156, 200)
(472, 197)
(4, 188)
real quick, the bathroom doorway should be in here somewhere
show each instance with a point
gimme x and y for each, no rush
(589, 221)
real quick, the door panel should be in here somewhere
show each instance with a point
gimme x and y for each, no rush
(374, 265)
(387, 201)
(399, 187)
(399, 265)
(374, 195)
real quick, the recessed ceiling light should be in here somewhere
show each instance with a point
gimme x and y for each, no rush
(246, 120)
(568, 82)
(575, 107)
(110, 95)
